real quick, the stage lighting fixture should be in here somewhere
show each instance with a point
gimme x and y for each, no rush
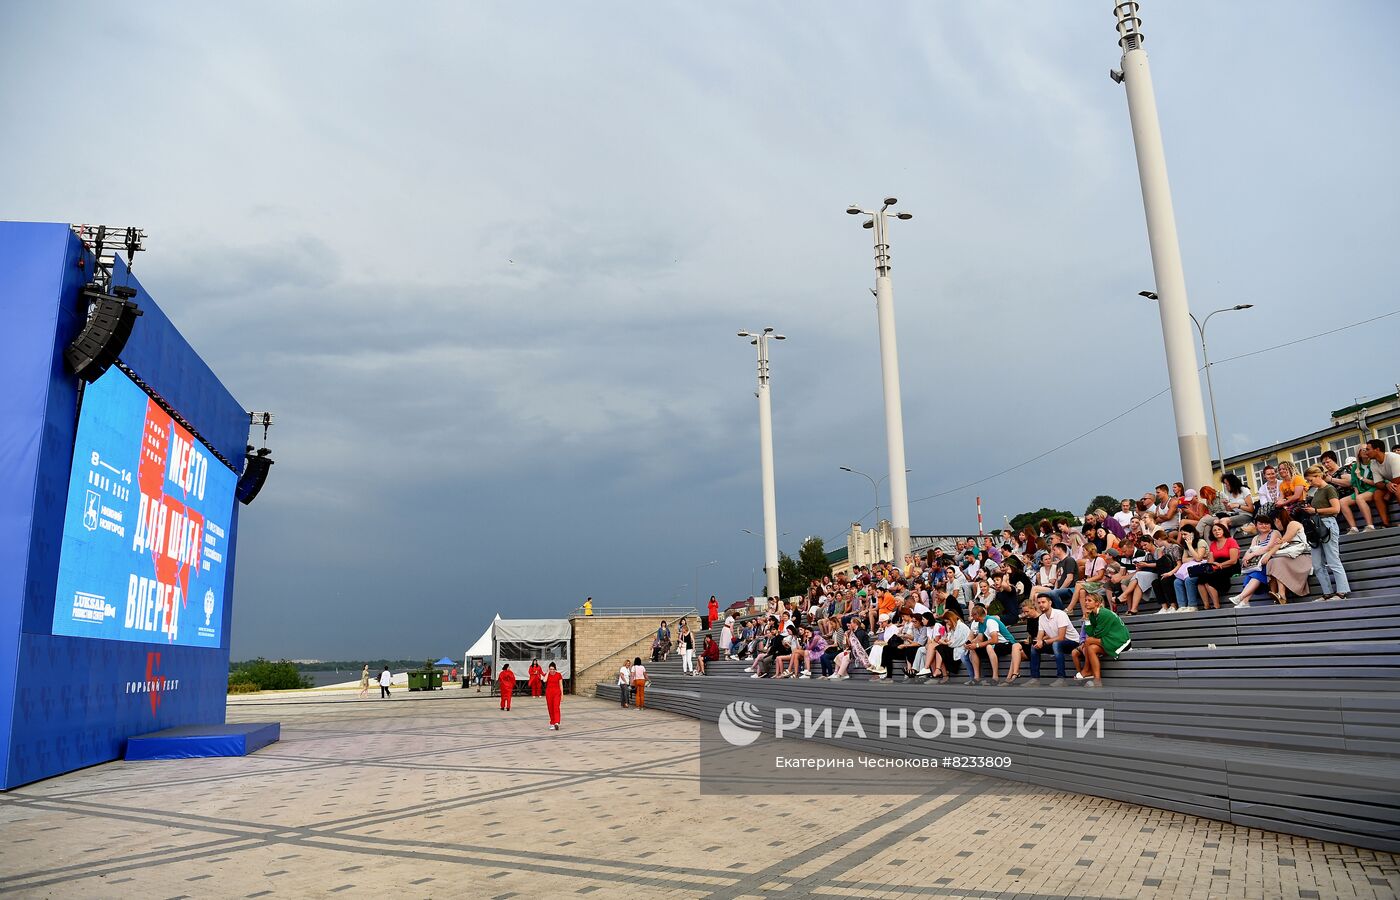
(109, 323)
(254, 474)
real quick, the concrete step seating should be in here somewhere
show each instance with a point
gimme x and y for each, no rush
(1315, 763)
(1289, 722)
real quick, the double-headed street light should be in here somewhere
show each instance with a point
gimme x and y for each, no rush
(889, 368)
(760, 340)
(874, 484)
(1205, 354)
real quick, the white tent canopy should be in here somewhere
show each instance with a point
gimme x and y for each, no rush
(534, 631)
(482, 648)
(518, 641)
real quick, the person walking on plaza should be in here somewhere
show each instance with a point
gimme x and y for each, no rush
(554, 694)
(364, 683)
(477, 669)
(536, 678)
(506, 682)
(624, 682)
(385, 679)
(639, 682)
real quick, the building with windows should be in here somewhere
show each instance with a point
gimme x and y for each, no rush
(865, 548)
(1377, 419)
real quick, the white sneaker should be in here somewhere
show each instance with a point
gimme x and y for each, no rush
(1163, 610)
(1078, 676)
(921, 673)
(754, 675)
(1187, 609)
(845, 678)
(805, 675)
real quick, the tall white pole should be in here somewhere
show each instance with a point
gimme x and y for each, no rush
(760, 340)
(765, 449)
(894, 407)
(1172, 305)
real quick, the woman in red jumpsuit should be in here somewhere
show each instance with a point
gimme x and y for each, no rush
(536, 678)
(554, 695)
(506, 682)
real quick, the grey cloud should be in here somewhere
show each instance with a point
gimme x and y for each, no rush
(333, 212)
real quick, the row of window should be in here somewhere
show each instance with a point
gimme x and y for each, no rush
(1344, 446)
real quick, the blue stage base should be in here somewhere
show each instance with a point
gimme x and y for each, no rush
(191, 741)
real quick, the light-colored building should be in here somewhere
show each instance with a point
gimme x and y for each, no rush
(865, 548)
(1377, 419)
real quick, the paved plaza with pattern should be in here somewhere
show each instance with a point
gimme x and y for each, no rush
(442, 795)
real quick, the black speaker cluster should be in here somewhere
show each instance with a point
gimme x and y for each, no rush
(255, 469)
(110, 320)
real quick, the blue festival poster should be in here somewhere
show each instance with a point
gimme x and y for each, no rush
(146, 525)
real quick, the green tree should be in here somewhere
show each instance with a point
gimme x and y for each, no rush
(811, 562)
(789, 576)
(267, 676)
(1104, 502)
(1031, 518)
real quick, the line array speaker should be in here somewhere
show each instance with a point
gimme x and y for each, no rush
(109, 323)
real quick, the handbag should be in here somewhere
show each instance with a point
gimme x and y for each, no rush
(1313, 528)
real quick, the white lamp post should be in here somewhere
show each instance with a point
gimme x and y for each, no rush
(697, 579)
(751, 571)
(1205, 355)
(1166, 251)
(889, 368)
(760, 340)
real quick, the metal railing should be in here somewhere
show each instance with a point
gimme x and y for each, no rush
(665, 612)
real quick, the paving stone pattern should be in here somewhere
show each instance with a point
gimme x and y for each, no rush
(442, 795)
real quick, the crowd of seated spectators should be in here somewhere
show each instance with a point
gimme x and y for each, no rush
(949, 613)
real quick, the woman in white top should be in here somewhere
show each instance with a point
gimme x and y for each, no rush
(1233, 507)
(624, 683)
(726, 638)
(1044, 576)
(951, 649)
(1270, 491)
(639, 682)
(1091, 568)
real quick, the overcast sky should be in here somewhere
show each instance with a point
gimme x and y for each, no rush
(485, 262)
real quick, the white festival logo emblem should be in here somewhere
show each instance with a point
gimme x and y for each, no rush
(740, 723)
(208, 605)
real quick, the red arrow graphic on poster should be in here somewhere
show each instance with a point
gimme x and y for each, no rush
(175, 533)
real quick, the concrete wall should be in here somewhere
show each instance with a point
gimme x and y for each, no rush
(601, 643)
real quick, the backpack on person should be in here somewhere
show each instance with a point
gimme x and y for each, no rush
(1313, 528)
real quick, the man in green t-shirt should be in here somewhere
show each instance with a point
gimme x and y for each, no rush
(1104, 635)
